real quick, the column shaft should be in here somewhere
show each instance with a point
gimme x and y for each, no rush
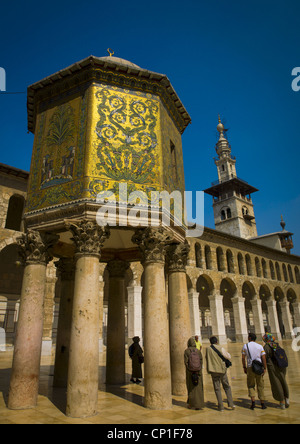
(24, 381)
(239, 313)
(217, 317)
(194, 312)
(115, 361)
(180, 329)
(258, 317)
(135, 313)
(296, 307)
(82, 396)
(156, 340)
(273, 319)
(67, 273)
(287, 319)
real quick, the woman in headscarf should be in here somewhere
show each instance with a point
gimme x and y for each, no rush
(136, 354)
(277, 375)
(194, 379)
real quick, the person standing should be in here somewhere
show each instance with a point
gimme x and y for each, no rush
(254, 352)
(216, 367)
(277, 374)
(137, 357)
(194, 377)
(198, 343)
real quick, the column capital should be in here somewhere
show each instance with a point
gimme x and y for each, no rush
(35, 247)
(177, 256)
(153, 243)
(88, 236)
(117, 268)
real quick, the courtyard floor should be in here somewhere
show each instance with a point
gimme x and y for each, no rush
(124, 405)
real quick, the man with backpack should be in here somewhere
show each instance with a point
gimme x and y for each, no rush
(277, 364)
(218, 361)
(194, 376)
(255, 366)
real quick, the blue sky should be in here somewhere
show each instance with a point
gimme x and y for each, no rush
(234, 58)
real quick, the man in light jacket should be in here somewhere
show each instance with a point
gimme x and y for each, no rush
(217, 369)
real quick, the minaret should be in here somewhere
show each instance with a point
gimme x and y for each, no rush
(232, 202)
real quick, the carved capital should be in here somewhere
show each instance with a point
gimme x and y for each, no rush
(35, 247)
(117, 268)
(177, 256)
(66, 268)
(88, 236)
(152, 243)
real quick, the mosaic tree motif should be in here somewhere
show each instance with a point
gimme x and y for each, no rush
(127, 137)
(60, 137)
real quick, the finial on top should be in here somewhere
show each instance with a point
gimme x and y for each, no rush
(220, 126)
(282, 223)
(110, 52)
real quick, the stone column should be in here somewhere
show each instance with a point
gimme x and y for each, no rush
(115, 351)
(179, 321)
(135, 313)
(51, 280)
(217, 317)
(24, 382)
(101, 300)
(194, 312)
(273, 319)
(82, 391)
(287, 319)
(158, 389)
(258, 317)
(296, 307)
(240, 321)
(66, 269)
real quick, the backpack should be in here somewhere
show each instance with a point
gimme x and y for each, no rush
(194, 364)
(131, 351)
(280, 358)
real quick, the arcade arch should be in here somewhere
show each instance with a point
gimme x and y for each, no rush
(228, 290)
(248, 292)
(205, 288)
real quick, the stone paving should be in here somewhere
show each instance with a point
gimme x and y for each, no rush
(124, 405)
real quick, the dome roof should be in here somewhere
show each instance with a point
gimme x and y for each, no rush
(119, 60)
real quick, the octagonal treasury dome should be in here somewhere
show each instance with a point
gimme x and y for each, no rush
(119, 60)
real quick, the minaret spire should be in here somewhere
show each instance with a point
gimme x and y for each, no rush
(232, 203)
